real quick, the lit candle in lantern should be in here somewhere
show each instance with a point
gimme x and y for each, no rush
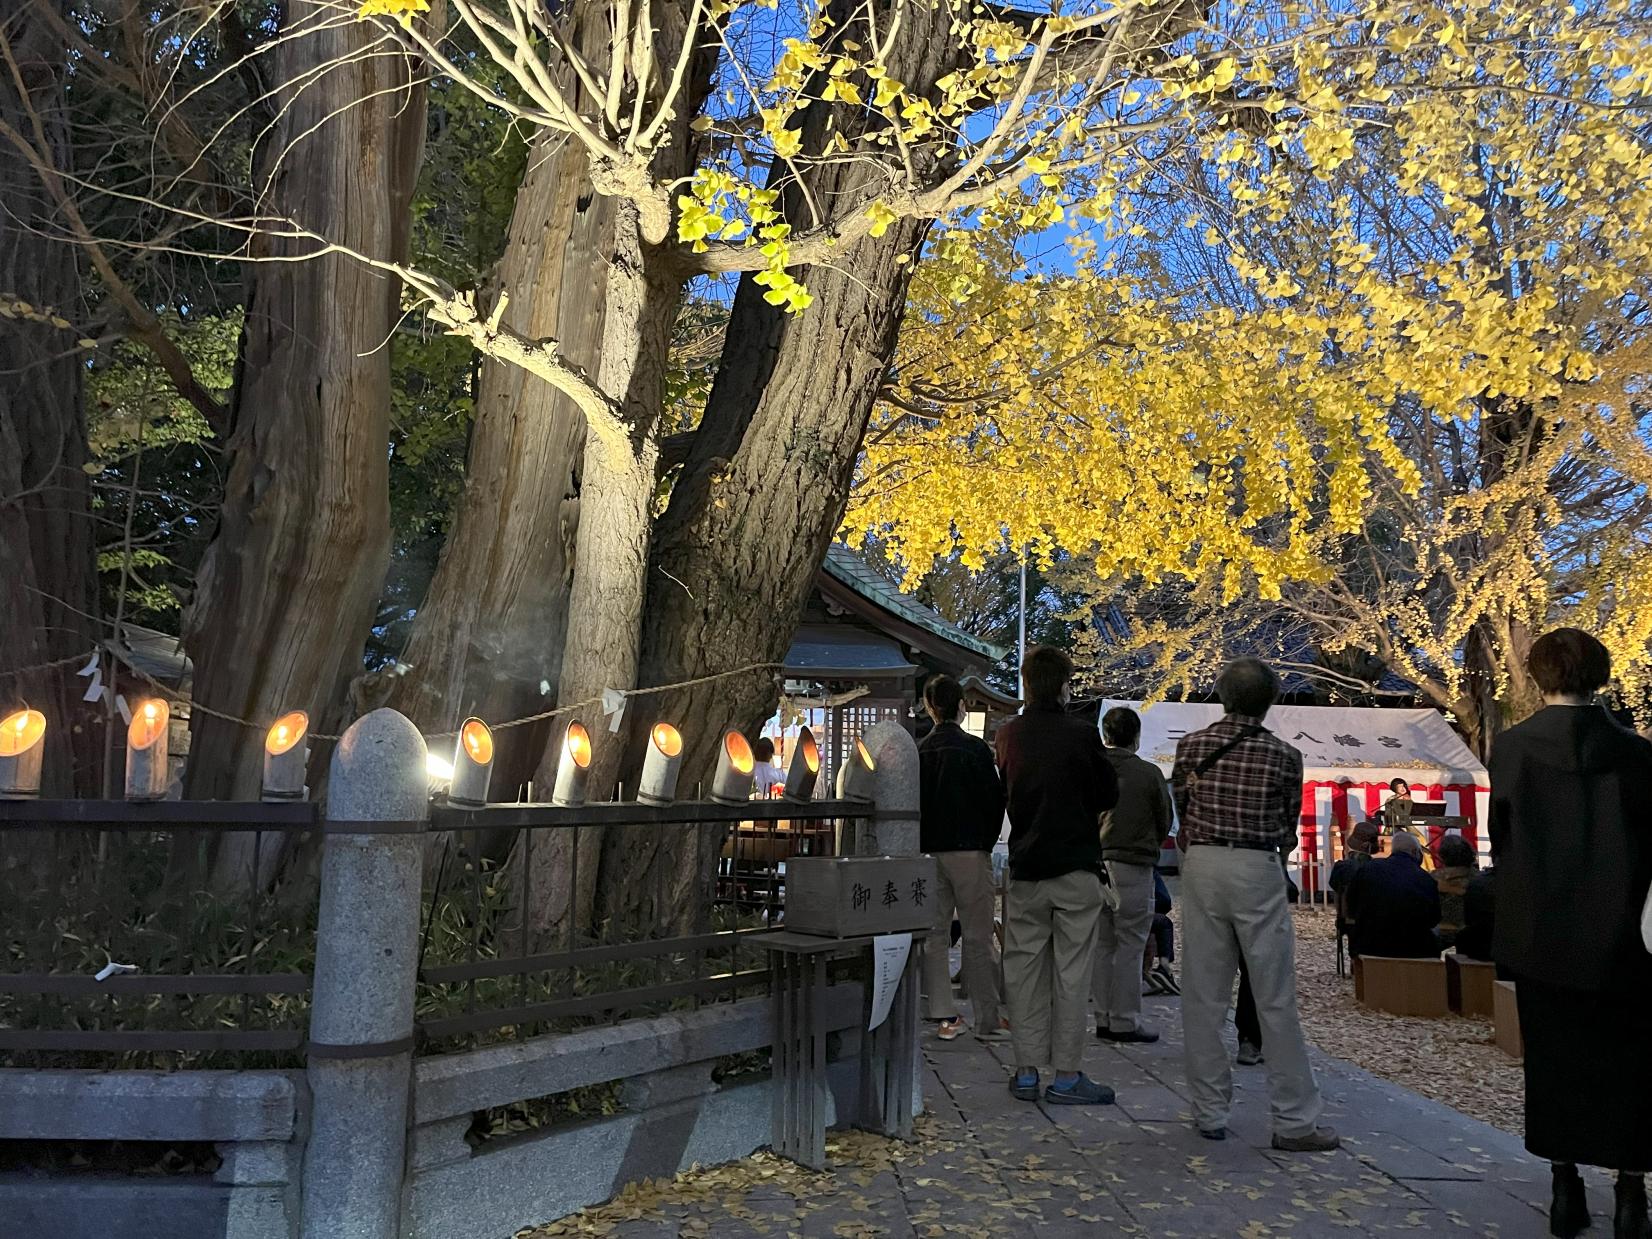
(804, 767)
(472, 765)
(286, 757)
(147, 775)
(734, 770)
(658, 784)
(22, 749)
(573, 767)
(856, 780)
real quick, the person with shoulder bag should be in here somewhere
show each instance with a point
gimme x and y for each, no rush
(1238, 791)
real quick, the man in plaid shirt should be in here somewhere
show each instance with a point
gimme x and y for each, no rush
(1238, 793)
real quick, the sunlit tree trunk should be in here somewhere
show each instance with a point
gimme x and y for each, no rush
(765, 485)
(48, 588)
(287, 587)
(488, 637)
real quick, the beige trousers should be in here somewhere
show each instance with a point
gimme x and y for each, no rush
(1233, 906)
(1049, 950)
(1121, 940)
(964, 883)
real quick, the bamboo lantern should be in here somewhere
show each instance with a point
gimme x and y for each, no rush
(573, 768)
(22, 749)
(472, 765)
(287, 757)
(857, 780)
(147, 776)
(804, 767)
(658, 784)
(735, 765)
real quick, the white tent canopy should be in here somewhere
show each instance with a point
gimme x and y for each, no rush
(1363, 744)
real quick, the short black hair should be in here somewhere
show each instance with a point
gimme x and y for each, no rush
(1399, 785)
(1247, 686)
(763, 749)
(942, 696)
(1569, 660)
(1045, 671)
(1121, 727)
(1456, 851)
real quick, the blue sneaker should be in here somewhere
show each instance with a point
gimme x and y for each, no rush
(1025, 1087)
(1083, 1091)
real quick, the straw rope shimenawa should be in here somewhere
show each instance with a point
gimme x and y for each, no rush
(627, 693)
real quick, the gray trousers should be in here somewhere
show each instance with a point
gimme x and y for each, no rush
(1049, 952)
(1121, 941)
(964, 882)
(1234, 901)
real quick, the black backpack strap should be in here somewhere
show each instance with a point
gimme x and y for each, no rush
(1245, 733)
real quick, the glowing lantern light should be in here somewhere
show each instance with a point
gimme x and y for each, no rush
(857, 780)
(735, 765)
(22, 749)
(573, 767)
(804, 768)
(286, 757)
(147, 775)
(472, 765)
(658, 784)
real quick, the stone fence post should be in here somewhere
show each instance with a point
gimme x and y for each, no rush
(895, 774)
(360, 1056)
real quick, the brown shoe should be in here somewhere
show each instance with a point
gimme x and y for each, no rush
(1319, 1140)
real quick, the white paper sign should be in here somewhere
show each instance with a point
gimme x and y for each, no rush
(889, 952)
(613, 704)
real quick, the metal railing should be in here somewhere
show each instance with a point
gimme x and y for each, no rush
(524, 951)
(198, 960)
(221, 956)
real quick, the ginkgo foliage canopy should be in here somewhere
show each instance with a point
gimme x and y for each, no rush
(1380, 358)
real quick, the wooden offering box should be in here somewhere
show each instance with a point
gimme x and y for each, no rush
(854, 895)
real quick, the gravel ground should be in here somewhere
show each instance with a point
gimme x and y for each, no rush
(1452, 1061)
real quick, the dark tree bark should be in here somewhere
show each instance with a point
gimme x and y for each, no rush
(488, 638)
(287, 587)
(764, 487)
(48, 599)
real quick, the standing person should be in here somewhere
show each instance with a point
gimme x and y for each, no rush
(961, 811)
(765, 775)
(1132, 832)
(1058, 782)
(1157, 975)
(1238, 790)
(1571, 831)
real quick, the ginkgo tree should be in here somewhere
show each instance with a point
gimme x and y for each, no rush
(811, 149)
(1373, 372)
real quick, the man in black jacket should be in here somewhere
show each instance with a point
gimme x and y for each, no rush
(1058, 782)
(1393, 906)
(961, 815)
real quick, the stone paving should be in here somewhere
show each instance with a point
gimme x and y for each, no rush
(990, 1166)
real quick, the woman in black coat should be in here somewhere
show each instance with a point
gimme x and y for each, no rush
(1571, 831)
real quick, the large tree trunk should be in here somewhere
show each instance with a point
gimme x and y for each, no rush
(488, 637)
(48, 599)
(764, 487)
(287, 587)
(618, 483)
(611, 573)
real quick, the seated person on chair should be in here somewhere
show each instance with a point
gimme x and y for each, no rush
(1393, 906)
(1479, 916)
(1362, 842)
(1457, 866)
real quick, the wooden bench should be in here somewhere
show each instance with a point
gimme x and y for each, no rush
(1402, 986)
(1470, 983)
(1506, 1020)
